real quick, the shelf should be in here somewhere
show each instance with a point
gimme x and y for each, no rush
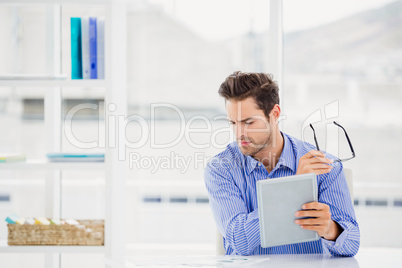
(54, 83)
(4, 248)
(38, 164)
(91, 2)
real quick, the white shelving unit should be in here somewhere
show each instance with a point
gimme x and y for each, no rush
(115, 170)
(44, 164)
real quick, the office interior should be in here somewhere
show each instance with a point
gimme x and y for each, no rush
(333, 60)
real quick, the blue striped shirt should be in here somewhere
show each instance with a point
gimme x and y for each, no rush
(231, 177)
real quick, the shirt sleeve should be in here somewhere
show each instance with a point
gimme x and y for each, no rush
(239, 227)
(334, 192)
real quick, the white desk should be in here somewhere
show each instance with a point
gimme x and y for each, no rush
(365, 258)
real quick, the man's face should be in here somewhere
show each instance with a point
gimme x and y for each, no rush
(252, 129)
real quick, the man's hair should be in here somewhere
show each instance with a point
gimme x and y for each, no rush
(260, 86)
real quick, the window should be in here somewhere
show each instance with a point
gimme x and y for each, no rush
(179, 54)
(342, 61)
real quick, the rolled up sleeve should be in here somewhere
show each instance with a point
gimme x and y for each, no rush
(335, 193)
(239, 227)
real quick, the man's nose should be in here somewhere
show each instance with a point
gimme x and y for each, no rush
(239, 131)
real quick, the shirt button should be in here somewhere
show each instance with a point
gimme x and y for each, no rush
(337, 244)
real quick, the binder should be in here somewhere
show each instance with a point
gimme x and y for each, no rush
(76, 157)
(92, 48)
(76, 64)
(86, 65)
(278, 200)
(12, 157)
(100, 39)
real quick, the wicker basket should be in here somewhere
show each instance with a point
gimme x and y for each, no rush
(88, 232)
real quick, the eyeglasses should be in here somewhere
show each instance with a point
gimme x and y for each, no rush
(347, 137)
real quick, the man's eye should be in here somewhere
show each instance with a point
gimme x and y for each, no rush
(249, 123)
(231, 123)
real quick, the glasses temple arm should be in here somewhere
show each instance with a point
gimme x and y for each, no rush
(347, 137)
(315, 138)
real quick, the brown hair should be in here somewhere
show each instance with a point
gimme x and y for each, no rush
(260, 86)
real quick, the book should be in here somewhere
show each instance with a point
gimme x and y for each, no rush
(12, 157)
(42, 221)
(86, 65)
(76, 64)
(15, 219)
(20, 221)
(92, 48)
(55, 221)
(12, 219)
(72, 222)
(76, 157)
(30, 221)
(278, 200)
(100, 42)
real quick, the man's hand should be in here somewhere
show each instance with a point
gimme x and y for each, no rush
(314, 162)
(321, 221)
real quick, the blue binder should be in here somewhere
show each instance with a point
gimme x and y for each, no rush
(100, 47)
(76, 64)
(92, 48)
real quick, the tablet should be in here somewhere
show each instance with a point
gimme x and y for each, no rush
(278, 200)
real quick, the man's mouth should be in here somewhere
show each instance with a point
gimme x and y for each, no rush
(245, 143)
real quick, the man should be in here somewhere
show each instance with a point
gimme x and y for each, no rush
(261, 151)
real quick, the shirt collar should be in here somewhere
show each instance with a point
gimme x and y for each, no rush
(249, 164)
(286, 159)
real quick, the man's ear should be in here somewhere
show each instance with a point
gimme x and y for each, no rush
(275, 113)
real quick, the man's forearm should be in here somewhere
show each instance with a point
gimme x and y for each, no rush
(243, 233)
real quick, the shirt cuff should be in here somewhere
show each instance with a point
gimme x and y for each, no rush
(337, 245)
(254, 234)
